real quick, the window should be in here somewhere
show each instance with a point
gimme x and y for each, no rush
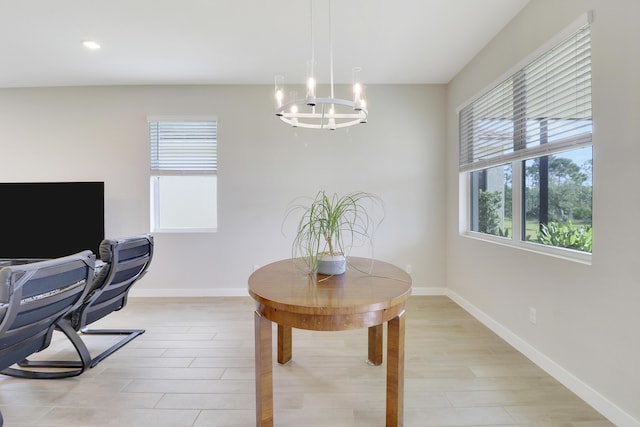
(183, 175)
(491, 196)
(525, 151)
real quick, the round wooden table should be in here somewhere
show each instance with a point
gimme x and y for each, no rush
(369, 294)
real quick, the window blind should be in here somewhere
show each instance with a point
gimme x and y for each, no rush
(541, 109)
(183, 146)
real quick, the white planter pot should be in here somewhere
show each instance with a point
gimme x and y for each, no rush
(332, 264)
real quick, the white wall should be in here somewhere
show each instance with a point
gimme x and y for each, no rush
(588, 316)
(100, 133)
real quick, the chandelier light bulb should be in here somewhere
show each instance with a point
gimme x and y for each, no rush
(294, 120)
(311, 91)
(279, 92)
(357, 96)
(332, 119)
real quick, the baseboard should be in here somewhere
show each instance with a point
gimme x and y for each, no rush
(188, 293)
(424, 291)
(599, 402)
(237, 292)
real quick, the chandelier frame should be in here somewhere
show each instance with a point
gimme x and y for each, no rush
(321, 112)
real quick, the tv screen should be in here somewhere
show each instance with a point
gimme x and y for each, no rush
(42, 220)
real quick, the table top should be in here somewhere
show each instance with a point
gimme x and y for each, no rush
(367, 286)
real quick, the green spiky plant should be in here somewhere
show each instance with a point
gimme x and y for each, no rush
(332, 225)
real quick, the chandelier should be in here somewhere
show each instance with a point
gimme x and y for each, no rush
(316, 112)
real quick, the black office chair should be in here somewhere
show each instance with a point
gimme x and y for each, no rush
(125, 261)
(34, 298)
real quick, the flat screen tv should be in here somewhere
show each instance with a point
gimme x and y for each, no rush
(42, 220)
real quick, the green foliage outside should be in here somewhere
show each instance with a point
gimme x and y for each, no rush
(568, 222)
(569, 204)
(570, 191)
(566, 236)
(489, 221)
(488, 218)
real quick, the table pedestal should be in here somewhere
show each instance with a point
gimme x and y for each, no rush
(264, 365)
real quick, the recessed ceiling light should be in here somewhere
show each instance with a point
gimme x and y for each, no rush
(90, 44)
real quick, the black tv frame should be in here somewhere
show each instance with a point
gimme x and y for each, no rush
(44, 220)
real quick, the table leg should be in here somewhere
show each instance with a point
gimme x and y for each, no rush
(395, 371)
(264, 371)
(375, 345)
(284, 344)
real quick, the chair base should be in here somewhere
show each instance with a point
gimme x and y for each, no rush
(85, 362)
(131, 334)
(80, 365)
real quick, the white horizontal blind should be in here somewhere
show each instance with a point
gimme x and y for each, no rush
(183, 146)
(541, 109)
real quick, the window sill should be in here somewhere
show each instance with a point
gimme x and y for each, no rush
(185, 230)
(537, 248)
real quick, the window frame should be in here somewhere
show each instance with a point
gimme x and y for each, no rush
(155, 175)
(517, 160)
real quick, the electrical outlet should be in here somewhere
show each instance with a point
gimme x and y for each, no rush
(533, 315)
(408, 268)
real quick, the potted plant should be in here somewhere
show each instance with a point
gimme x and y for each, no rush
(329, 226)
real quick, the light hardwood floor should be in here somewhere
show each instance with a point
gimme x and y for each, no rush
(194, 367)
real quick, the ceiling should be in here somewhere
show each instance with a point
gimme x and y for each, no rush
(241, 41)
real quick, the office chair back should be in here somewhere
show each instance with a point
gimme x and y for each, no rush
(125, 262)
(33, 297)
